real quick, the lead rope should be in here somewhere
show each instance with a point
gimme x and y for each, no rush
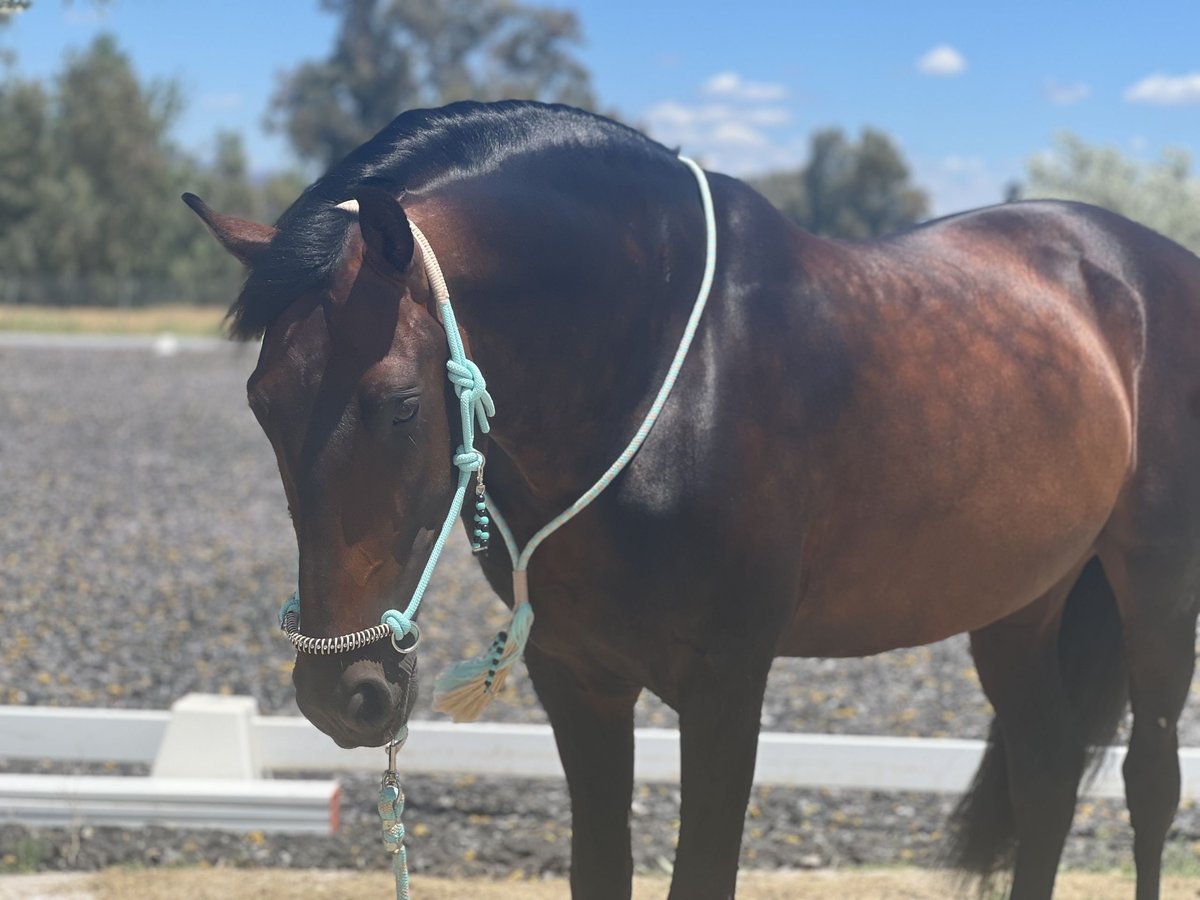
(391, 811)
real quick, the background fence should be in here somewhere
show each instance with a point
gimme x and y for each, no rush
(211, 757)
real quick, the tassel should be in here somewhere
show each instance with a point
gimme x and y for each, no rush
(465, 691)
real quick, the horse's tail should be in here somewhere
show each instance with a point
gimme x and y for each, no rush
(1092, 663)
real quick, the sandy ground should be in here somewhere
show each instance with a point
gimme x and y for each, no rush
(203, 884)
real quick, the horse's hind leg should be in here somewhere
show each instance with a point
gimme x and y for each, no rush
(1018, 663)
(1156, 593)
(593, 727)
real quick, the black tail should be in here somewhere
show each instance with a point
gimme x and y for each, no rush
(1092, 663)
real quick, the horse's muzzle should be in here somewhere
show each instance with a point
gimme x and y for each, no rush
(360, 699)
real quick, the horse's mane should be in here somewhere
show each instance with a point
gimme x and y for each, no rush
(418, 150)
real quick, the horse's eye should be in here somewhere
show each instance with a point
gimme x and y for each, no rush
(405, 411)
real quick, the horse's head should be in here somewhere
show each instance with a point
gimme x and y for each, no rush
(351, 390)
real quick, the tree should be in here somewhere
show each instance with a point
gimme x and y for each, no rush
(89, 190)
(11, 8)
(848, 190)
(111, 135)
(25, 144)
(83, 173)
(392, 55)
(1164, 195)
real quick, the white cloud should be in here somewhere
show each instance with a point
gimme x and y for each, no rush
(736, 138)
(733, 86)
(738, 133)
(943, 61)
(731, 125)
(1066, 94)
(680, 115)
(1161, 89)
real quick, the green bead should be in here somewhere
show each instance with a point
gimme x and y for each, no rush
(483, 536)
(481, 506)
(483, 521)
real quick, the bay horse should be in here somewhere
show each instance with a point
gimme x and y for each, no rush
(987, 424)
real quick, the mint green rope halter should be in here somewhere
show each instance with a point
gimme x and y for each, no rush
(475, 404)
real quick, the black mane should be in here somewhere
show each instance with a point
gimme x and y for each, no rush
(419, 149)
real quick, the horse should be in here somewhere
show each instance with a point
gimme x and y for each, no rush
(985, 424)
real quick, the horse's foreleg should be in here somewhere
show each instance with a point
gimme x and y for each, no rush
(593, 727)
(719, 712)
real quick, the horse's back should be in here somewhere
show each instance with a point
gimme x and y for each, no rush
(998, 364)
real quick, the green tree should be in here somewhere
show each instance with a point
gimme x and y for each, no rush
(111, 137)
(392, 55)
(25, 142)
(848, 190)
(89, 190)
(9, 10)
(1164, 195)
(84, 170)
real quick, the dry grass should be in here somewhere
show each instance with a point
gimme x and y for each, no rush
(177, 319)
(274, 884)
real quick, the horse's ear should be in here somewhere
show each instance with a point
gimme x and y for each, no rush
(385, 229)
(244, 239)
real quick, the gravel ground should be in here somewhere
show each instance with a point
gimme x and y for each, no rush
(144, 549)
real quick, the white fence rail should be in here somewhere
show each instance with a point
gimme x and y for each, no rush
(210, 755)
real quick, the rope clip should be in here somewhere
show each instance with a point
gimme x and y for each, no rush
(393, 748)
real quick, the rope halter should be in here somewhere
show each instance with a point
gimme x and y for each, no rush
(475, 406)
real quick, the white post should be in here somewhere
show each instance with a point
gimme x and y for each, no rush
(209, 736)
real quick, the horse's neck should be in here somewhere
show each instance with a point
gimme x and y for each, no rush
(573, 320)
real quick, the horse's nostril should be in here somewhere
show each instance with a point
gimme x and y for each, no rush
(370, 703)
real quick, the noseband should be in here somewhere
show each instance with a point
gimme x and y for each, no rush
(469, 686)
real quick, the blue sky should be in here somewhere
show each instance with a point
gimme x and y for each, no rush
(969, 91)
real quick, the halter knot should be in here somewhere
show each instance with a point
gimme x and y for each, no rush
(468, 460)
(399, 622)
(470, 385)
